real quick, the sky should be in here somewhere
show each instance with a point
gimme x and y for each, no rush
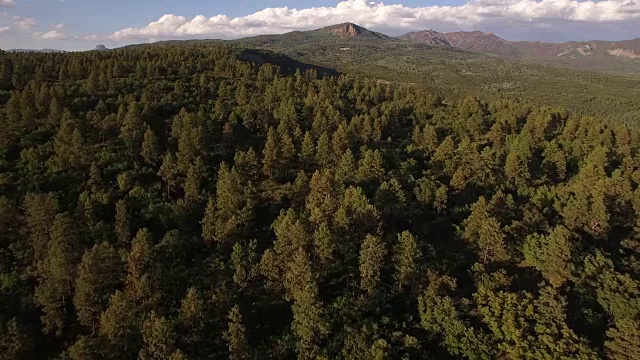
(83, 24)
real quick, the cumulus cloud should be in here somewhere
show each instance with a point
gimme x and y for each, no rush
(476, 14)
(6, 3)
(57, 33)
(4, 29)
(25, 23)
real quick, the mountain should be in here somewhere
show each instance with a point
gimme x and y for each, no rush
(475, 41)
(36, 50)
(429, 37)
(101, 48)
(350, 30)
(628, 49)
(450, 71)
(486, 43)
(613, 56)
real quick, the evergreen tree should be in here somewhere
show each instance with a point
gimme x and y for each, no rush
(550, 254)
(98, 278)
(122, 222)
(309, 324)
(150, 150)
(308, 150)
(324, 156)
(372, 254)
(236, 337)
(270, 154)
(406, 257)
(57, 274)
(133, 129)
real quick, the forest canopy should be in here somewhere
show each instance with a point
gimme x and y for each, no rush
(176, 202)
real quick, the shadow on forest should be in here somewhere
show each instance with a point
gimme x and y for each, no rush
(287, 65)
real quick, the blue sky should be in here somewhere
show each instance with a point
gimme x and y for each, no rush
(82, 24)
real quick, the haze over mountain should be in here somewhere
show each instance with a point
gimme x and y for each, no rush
(36, 50)
(489, 43)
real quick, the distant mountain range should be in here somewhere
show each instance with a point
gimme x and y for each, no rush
(36, 50)
(97, 48)
(622, 57)
(612, 56)
(489, 43)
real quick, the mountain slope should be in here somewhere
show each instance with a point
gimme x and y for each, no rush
(454, 72)
(629, 49)
(612, 56)
(350, 30)
(429, 37)
(486, 43)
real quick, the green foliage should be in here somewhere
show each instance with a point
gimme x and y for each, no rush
(175, 201)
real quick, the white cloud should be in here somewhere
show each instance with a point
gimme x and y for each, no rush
(25, 23)
(57, 33)
(475, 14)
(4, 29)
(6, 3)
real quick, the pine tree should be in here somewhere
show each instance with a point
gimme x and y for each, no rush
(550, 254)
(246, 164)
(236, 337)
(324, 156)
(324, 243)
(133, 129)
(309, 325)
(120, 326)
(140, 278)
(484, 231)
(122, 222)
(370, 167)
(406, 257)
(57, 274)
(159, 338)
(286, 153)
(169, 172)
(40, 212)
(28, 108)
(372, 254)
(209, 221)
(308, 150)
(270, 154)
(150, 150)
(98, 277)
(346, 168)
(340, 141)
(193, 184)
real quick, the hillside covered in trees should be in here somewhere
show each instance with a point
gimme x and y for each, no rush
(176, 202)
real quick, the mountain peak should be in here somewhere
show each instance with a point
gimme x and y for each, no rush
(346, 30)
(101, 48)
(351, 30)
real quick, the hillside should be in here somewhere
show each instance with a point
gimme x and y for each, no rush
(193, 202)
(485, 43)
(453, 72)
(620, 57)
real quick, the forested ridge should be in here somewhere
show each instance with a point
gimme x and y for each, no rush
(175, 202)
